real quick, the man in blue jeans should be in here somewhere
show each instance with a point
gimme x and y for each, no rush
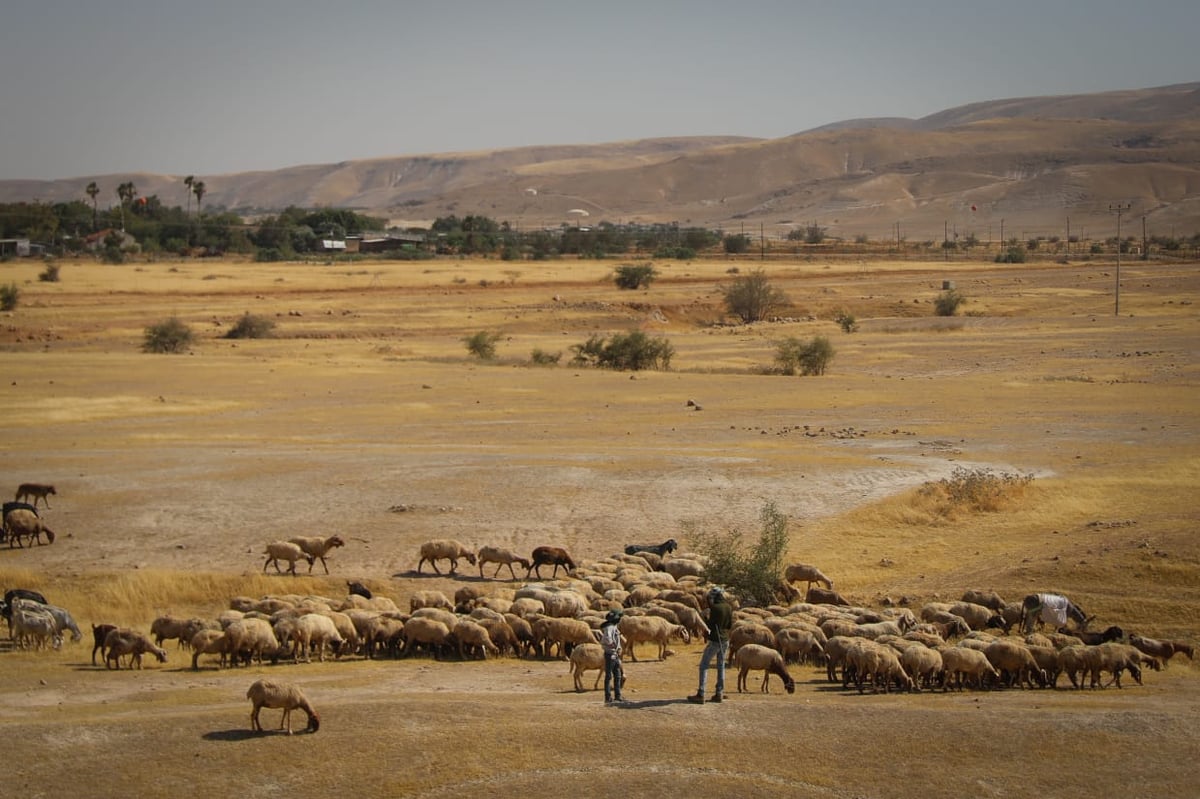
(720, 619)
(610, 642)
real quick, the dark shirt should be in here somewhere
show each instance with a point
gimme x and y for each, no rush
(720, 619)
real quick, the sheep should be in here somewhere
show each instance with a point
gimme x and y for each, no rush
(1163, 650)
(523, 631)
(249, 639)
(34, 627)
(836, 648)
(99, 633)
(960, 662)
(645, 629)
(564, 604)
(208, 642)
(310, 631)
(549, 556)
(1075, 660)
(587, 657)
(665, 548)
(444, 549)
(385, 634)
(284, 550)
(1048, 660)
(63, 620)
(806, 573)
(796, 645)
(167, 627)
(1112, 633)
(877, 629)
(549, 632)
(421, 631)
(470, 635)
(501, 634)
(429, 599)
(265, 693)
(923, 664)
(988, 599)
(875, 663)
(822, 596)
(24, 522)
(501, 557)
(316, 548)
(1115, 658)
(123, 641)
(977, 617)
(1016, 662)
(753, 656)
(683, 567)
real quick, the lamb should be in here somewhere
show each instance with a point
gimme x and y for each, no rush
(284, 550)
(1016, 662)
(549, 632)
(754, 656)
(123, 641)
(924, 665)
(586, 657)
(99, 633)
(806, 573)
(1163, 650)
(264, 693)
(550, 556)
(501, 557)
(822, 596)
(444, 549)
(421, 631)
(646, 629)
(316, 548)
(469, 634)
(962, 664)
(208, 642)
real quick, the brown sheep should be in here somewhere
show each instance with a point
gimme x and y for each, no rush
(129, 642)
(501, 557)
(823, 596)
(284, 550)
(1163, 650)
(20, 523)
(769, 661)
(806, 573)
(1015, 662)
(444, 549)
(317, 548)
(647, 629)
(550, 556)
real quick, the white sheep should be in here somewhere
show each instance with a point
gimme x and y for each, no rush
(314, 631)
(249, 639)
(444, 549)
(651, 629)
(587, 657)
(316, 548)
(473, 636)
(502, 557)
(762, 658)
(797, 644)
(34, 627)
(923, 664)
(265, 693)
(284, 550)
(421, 631)
(551, 632)
(962, 664)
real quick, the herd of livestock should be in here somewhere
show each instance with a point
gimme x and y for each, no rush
(978, 642)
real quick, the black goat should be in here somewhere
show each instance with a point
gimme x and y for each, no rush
(665, 548)
(1113, 633)
(359, 589)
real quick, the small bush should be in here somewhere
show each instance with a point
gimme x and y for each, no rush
(542, 358)
(482, 344)
(736, 243)
(846, 321)
(947, 302)
(251, 326)
(173, 335)
(678, 253)
(752, 298)
(10, 295)
(268, 255)
(806, 357)
(634, 276)
(632, 352)
(753, 572)
(1011, 255)
(972, 490)
(49, 274)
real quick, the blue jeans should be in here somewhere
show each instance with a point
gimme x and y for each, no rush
(614, 675)
(719, 650)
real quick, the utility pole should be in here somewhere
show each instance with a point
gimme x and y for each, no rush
(1118, 209)
(1068, 236)
(1145, 241)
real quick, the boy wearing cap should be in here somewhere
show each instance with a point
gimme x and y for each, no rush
(720, 619)
(610, 641)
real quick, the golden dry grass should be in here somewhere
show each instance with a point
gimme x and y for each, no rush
(366, 417)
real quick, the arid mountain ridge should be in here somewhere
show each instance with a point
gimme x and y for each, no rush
(1026, 166)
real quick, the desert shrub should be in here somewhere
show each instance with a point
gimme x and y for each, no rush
(633, 351)
(736, 243)
(679, 253)
(542, 358)
(972, 490)
(268, 255)
(10, 295)
(173, 335)
(50, 273)
(846, 321)
(752, 298)
(752, 571)
(810, 357)
(947, 302)
(251, 326)
(634, 276)
(1011, 255)
(482, 344)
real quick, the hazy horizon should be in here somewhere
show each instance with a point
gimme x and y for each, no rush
(222, 87)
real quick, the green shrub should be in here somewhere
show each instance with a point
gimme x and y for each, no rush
(50, 273)
(632, 352)
(752, 298)
(846, 321)
(542, 358)
(173, 335)
(268, 255)
(634, 276)
(736, 243)
(251, 326)
(947, 302)
(752, 572)
(806, 357)
(482, 344)
(1011, 255)
(10, 295)
(679, 253)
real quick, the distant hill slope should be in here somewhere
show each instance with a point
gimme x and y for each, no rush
(1026, 164)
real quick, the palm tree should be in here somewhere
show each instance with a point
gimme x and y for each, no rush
(199, 190)
(126, 192)
(188, 181)
(92, 190)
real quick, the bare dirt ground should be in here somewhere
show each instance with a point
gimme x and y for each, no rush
(365, 417)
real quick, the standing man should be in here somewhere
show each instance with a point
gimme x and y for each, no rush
(720, 619)
(610, 641)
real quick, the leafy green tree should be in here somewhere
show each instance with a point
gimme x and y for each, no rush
(171, 336)
(806, 357)
(632, 352)
(634, 276)
(752, 571)
(752, 298)
(125, 193)
(736, 243)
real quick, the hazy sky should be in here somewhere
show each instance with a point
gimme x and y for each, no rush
(206, 87)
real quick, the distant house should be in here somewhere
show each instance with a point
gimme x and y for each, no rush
(331, 245)
(391, 241)
(18, 247)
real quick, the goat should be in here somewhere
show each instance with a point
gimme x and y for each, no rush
(1113, 633)
(665, 548)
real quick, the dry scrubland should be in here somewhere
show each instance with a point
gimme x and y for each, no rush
(365, 417)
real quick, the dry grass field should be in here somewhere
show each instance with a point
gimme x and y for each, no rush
(364, 416)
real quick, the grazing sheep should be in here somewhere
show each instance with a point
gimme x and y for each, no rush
(123, 641)
(22, 522)
(836, 649)
(474, 637)
(797, 645)
(876, 664)
(166, 627)
(587, 657)
(744, 633)
(552, 634)
(647, 629)
(63, 620)
(1115, 658)
(1048, 660)
(665, 548)
(549, 556)
(924, 665)
(501, 634)
(34, 627)
(429, 599)
(523, 630)
(316, 548)
(99, 633)
(769, 661)
(564, 604)
(964, 665)
(822, 596)
(264, 693)
(421, 631)
(208, 642)
(977, 617)
(501, 557)
(806, 573)
(249, 639)
(1113, 633)
(444, 549)
(1016, 663)
(1163, 650)
(284, 550)
(314, 631)
(446, 617)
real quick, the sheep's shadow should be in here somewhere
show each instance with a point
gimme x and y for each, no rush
(648, 704)
(242, 734)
